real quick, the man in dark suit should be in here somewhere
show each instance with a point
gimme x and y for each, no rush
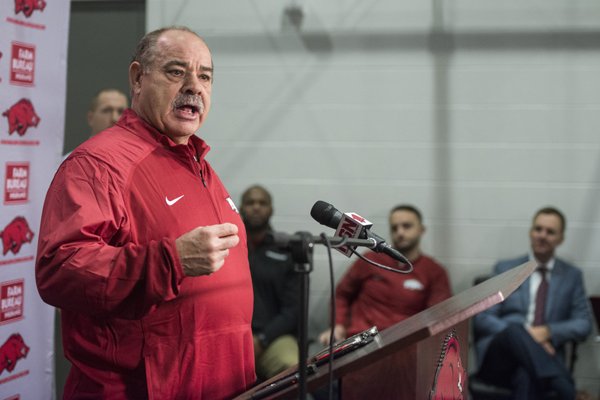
(523, 349)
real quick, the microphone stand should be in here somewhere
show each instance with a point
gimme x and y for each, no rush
(301, 245)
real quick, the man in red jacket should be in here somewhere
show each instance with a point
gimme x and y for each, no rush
(142, 248)
(367, 296)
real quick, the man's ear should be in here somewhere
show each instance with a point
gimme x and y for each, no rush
(562, 239)
(89, 118)
(135, 76)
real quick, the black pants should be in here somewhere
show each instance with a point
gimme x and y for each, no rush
(515, 360)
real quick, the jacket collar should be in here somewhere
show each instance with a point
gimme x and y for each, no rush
(135, 124)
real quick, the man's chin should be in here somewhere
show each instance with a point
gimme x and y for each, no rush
(183, 128)
(404, 249)
(543, 253)
(256, 227)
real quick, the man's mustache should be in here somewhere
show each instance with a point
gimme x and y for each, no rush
(192, 100)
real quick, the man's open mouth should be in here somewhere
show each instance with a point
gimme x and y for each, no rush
(189, 109)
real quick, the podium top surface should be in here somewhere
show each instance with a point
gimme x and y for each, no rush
(427, 323)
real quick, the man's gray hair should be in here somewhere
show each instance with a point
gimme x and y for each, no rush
(145, 51)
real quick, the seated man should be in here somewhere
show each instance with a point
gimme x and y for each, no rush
(520, 342)
(368, 296)
(276, 289)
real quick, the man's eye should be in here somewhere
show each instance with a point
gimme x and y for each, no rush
(176, 72)
(205, 77)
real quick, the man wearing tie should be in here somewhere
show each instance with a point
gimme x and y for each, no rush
(520, 342)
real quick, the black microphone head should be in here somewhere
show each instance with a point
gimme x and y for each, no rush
(326, 214)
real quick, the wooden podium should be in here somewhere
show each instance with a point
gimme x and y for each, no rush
(422, 357)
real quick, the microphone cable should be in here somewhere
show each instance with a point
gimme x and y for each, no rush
(385, 267)
(329, 246)
(332, 317)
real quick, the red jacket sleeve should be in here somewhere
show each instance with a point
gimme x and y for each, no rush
(88, 260)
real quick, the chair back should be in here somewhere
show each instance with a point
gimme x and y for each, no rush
(595, 301)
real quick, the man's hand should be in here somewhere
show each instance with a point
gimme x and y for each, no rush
(541, 334)
(339, 334)
(203, 250)
(549, 348)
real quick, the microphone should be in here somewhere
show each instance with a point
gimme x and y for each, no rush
(354, 226)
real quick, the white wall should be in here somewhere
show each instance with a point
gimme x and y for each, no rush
(478, 112)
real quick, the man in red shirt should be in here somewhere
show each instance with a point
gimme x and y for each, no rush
(142, 248)
(367, 296)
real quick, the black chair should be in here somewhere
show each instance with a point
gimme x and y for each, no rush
(595, 302)
(482, 390)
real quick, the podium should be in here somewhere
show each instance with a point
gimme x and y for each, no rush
(422, 357)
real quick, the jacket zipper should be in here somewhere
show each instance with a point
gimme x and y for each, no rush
(210, 195)
(200, 170)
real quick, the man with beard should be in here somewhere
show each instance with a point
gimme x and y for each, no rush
(520, 342)
(142, 248)
(276, 289)
(367, 295)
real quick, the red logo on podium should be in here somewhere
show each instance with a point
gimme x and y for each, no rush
(450, 381)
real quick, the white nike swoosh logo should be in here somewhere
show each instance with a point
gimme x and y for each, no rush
(171, 202)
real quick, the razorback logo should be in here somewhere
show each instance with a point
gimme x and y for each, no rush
(29, 6)
(15, 234)
(11, 351)
(21, 116)
(450, 381)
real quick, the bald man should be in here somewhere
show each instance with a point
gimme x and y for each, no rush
(106, 109)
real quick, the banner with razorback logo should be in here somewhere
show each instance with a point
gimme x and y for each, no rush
(33, 51)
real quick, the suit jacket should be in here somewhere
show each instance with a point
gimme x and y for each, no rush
(567, 309)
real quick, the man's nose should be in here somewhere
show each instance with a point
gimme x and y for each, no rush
(192, 84)
(115, 115)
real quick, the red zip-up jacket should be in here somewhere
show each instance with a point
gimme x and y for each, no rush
(133, 325)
